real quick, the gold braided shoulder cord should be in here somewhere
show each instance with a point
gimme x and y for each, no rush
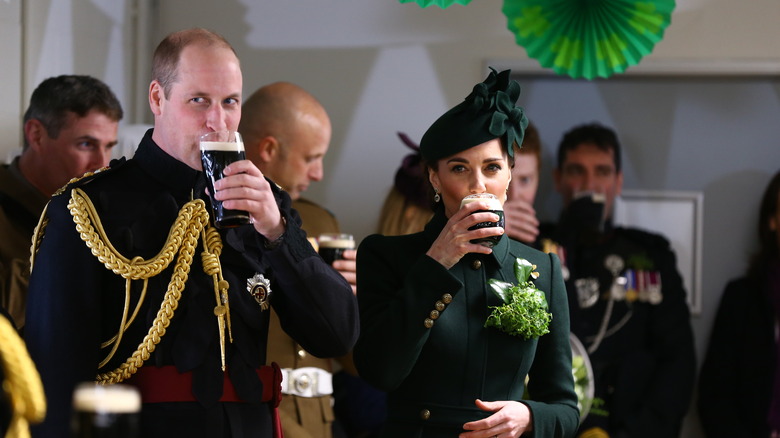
(190, 223)
(37, 237)
(22, 383)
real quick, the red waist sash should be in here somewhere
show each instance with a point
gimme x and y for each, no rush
(166, 384)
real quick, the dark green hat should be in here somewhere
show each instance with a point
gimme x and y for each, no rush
(488, 112)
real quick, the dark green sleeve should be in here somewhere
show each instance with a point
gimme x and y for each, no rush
(397, 287)
(553, 401)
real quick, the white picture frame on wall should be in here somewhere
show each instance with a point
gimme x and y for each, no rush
(677, 215)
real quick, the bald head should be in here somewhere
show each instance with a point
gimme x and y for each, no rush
(286, 134)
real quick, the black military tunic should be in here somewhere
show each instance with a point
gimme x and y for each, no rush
(75, 303)
(435, 365)
(628, 307)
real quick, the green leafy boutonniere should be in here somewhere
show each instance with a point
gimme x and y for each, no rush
(524, 312)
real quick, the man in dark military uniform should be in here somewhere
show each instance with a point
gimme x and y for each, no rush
(287, 133)
(626, 297)
(132, 282)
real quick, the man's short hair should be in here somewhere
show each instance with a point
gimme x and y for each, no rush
(592, 133)
(165, 62)
(56, 97)
(532, 144)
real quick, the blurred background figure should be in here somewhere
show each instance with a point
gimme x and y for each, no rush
(287, 134)
(361, 409)
(69, 128)
(521, 221)
(739, 383)
(407, 207)
(626, 297)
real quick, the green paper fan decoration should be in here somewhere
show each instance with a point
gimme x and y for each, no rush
(588, 38)
(440, 3)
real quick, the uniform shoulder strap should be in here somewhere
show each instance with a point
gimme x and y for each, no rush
(16, 212)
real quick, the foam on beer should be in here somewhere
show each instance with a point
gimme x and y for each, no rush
(492, 200)
(115, 399)
(222, 146)
(337, 243)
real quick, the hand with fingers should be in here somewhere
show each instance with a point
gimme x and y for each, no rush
(510, 419)
(454, 241)
(347, 267)
(521, 221)
(245, 188)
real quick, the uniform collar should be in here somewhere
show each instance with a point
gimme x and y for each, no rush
(179, 177)
(432, 230)
(15, 184)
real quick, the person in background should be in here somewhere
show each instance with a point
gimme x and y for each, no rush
(146, 291)
(739, 382)
(521, 221)
(361, 409)
(425, 301)
(407, 207)
(626, 297)
(286, 134)
(69, 129)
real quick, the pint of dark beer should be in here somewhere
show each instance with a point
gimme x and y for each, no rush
(111, 411)
(495, 207)
(333, 245)
(217, 150)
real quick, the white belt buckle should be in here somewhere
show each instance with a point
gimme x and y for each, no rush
(306, 382)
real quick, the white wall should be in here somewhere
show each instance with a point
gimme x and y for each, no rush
(44, 38)
(381, 67)
(10, 93)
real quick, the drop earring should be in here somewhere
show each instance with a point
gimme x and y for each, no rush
(436, 197)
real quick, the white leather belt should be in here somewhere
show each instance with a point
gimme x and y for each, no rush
(307, 382)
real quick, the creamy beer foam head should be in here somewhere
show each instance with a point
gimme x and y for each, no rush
(492, 200)
(222, 146)
(116, 399)
(218, 150)
(336, 240)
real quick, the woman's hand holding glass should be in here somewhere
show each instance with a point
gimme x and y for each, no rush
(454, 241)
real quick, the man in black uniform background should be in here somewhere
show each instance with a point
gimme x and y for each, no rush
(163, 300)
(626, 297)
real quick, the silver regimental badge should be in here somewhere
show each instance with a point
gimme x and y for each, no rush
(614, 264)
(587, 291)
(260, 288)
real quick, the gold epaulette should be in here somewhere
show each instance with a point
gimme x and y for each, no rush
(191, 225)
(82, 178)
(40, 228)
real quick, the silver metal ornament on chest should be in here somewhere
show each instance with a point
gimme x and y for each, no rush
(615, 264)
(587, 291)
(260, 288)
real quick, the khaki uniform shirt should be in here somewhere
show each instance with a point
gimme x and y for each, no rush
(21, 205)
(303, 417)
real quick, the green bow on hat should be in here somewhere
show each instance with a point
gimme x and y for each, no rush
(487, 113)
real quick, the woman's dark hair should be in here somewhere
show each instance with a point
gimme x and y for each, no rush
(434, 164)
(767, 237)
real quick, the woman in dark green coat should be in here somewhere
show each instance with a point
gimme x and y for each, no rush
(424, 298)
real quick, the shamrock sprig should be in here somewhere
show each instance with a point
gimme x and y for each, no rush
(525, 311)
